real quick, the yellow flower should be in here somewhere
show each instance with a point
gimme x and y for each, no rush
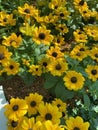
(54, 4)
(92, 31)
(11, 67)
(54, 53)
(93, 53)
(62, 28)
(79, 52)
(73, 80)
(33, 101)
(30, 124)
(42, 35)
(27, 29)
(60, 104)
(44, 62)
(28, 11)
(4, 53)
(49, 112)
(13, 40)
(16, 109)
(62, 13)
(58, 67)
(48, 125)
(76, 124)
(80, 4)
(92, 71)
(14, 125)
(80, 36)
(6, 19)
(35, 70)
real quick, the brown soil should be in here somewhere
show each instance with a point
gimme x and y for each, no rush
(16, 87)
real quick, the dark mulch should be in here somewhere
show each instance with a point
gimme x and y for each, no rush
(16, 87)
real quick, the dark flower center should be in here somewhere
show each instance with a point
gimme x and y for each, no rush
(82, 49)
(5, 19)
(14, 123)
(54, 54)
(94, 72)
(42, 36)
(48, 116)
(63, 114)
(12, 41)
(15, 107)
(76, 128)
(30, 129)
(27, 11)
(78, 54)
(62, 14)
(56, 7)
(81, 2)
(1, 56)
(44, 64)
(96, 55)
(11, 67)
(58, 40)
(84, 12)
(58, 67)
(61, 28)
(33, 104)
(73, 79)
(58, 105)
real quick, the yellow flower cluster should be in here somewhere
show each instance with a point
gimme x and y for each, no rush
(33, 113)
(39, 43)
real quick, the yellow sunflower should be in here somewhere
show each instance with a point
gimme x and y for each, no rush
(35, 70)
(62, 12)
(73, 80)
(92, 71)
(11, 67)
(93, 53)
(58, 67)
(80, 4)
(76, 124)
(62, 28)
(80, 36)
(42, 35)
(13, 40)
(27, 29)
(33, 101)
(79, 52)
(6, 19)
(48, 125)
(49, 112)
(16, 109)
(44, 62)
(60, 104)
(4, 53)
(58, 40)
(54, 4)
(92, 31)
(28, 11)
(30, 124)
(54, 53)
(14, 125)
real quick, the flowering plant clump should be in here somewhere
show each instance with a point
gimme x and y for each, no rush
(57, 40)
(31, 113)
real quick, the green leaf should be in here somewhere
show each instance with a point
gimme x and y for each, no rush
(59, 89)
(50, 81)
(86, 100)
